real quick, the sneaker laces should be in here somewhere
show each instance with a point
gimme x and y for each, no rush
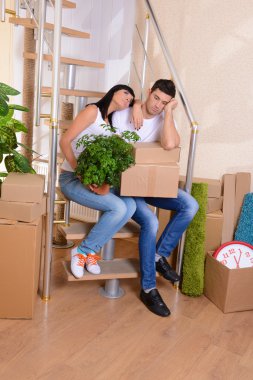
(92, 259)
(81, 259)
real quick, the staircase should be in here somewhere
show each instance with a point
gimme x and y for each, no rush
(112, 269)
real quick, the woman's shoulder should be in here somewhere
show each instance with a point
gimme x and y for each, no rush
(90, 112)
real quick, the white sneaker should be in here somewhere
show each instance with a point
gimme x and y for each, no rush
(92, 265)
(77, 263)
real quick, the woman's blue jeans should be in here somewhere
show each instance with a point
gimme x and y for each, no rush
(185, 207)
(116, 210)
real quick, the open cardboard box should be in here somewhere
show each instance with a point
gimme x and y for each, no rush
(229, 289)
(23, 187)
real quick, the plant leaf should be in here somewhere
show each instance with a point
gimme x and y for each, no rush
(5, 119)
(4, 109)
(29, 149)
(7, 90)
(19, 126)
(3, 174)
(18, 107)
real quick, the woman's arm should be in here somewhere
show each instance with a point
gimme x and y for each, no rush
(83, 120)
(137, 115)
(170, 138)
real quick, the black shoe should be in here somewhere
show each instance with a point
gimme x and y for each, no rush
(164, 268)
(154, 303)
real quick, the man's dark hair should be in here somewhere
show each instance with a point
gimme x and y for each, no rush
(166, 86)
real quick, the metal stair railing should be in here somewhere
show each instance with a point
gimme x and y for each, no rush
(194, 125)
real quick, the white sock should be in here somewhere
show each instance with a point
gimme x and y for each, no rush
(157, 257)
(148, 290)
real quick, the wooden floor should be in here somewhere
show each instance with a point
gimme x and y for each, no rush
(80, 335)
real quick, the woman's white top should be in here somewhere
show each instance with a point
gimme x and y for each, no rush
(94, 129)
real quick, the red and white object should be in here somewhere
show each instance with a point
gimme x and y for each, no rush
(235, 254)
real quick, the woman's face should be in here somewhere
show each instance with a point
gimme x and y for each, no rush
(122, 99)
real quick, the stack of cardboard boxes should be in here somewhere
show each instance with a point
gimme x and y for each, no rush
(22, 205)
(229, 289)
(155, 174)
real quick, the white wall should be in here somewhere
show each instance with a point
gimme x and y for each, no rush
(211, 45)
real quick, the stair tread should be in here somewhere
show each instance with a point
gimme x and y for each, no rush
(67, 4)
(67, 92)
(66, 60)
(110, 269)
(63, 124)
(78, 230)
(29, 23)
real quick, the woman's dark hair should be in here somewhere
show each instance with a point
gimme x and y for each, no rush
(166, 86)
(103, 104)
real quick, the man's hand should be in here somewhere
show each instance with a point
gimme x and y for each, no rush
(137, 115)
(171, 105)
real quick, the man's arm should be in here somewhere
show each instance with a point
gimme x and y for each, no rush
(170, 138)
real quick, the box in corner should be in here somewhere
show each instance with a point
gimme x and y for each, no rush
(158, 180)
(229, 289)
(21, 246)
(23, 187)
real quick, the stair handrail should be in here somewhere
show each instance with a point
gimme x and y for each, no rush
(189, 113)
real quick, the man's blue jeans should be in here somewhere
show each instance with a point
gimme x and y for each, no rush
(116, 210)
(185, 207)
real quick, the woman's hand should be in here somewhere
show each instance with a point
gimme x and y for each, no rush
(137, 115)
(100, 190)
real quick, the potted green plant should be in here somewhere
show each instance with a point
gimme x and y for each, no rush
(9, 126)
(104, 157)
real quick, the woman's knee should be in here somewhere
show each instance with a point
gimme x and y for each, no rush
(124, 208)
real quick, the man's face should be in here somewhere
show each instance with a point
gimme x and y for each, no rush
(156, 102)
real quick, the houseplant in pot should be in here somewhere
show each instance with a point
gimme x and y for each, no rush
(9, 127)
(104, 158)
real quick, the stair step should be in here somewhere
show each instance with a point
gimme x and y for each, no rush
(66, 4)
(110, 269)
(65, 60)
(78, 230)
(63, 124)
(67, 92)
(29, 23)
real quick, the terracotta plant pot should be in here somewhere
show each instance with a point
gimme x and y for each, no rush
(100, 190)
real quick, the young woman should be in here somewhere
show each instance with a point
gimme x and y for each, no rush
(116, 210)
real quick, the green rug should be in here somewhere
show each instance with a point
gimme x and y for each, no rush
(194, 250)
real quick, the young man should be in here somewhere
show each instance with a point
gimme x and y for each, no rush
(158, 125)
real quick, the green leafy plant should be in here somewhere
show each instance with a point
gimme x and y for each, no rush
(104, 158)
(9, 126)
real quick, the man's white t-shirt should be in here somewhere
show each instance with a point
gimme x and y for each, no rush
(149, 132)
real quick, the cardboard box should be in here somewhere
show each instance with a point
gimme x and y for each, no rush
(229, 289)
(150, 180)
(214, 204)
(214, 224)
(228, 230)
(23, 212)
(214, 185)
(153, 153)
(23, 187)
(19, 267)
